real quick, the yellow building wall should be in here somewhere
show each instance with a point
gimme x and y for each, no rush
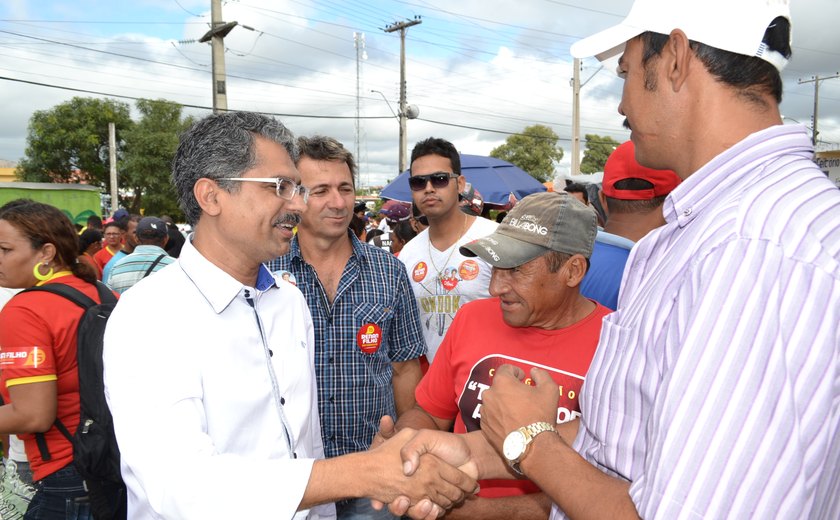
(7, 174)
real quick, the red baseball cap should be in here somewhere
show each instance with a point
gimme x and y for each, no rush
(622, 165)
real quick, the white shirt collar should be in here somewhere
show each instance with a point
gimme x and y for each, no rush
(217, 286)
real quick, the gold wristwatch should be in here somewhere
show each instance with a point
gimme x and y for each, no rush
(517, 442)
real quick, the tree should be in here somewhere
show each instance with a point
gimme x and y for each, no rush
(148, 150)
(69, 143)
(535, 150)
(598, 149)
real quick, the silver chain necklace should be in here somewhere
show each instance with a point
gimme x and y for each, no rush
(453, 247)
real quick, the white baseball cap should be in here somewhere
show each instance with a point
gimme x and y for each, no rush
(731, 25)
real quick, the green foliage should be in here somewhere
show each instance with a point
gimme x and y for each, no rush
(598, 149)
(69, 142)
(535, 150)
(149, 147)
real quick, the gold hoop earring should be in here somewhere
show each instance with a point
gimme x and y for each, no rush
(36, 272)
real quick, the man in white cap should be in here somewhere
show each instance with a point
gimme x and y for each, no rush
(714, 390)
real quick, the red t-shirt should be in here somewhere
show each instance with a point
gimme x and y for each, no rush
(478, 342)
(103, 256)
(37, 344)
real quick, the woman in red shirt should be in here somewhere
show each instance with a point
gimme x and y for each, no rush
(38, 369)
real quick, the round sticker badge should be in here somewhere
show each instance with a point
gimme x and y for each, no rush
(468, 270)
(286, 276)
(369, 338)
(449, 278)
(419, 272)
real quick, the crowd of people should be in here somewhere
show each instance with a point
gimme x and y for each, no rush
(673, 353)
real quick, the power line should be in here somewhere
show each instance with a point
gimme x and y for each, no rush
(202, 107)
(278, 114)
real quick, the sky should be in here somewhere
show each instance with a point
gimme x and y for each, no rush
(477, 70)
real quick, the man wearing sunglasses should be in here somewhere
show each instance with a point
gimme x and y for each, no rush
(442, 278)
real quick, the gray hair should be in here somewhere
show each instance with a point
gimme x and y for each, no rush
(222, 145)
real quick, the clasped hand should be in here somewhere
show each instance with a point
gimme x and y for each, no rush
(435, 471)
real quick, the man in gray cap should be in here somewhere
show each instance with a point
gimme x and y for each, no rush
(535, 317)
(148, 257)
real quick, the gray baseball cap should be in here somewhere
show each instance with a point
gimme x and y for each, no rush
(539, 223)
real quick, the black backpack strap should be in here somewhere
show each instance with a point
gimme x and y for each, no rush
(41, 441)
(42, 446)
(85, 302)
(154, 264)
(74, 295)
(63, 429)
(106, 295)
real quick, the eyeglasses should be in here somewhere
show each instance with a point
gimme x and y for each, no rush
(422, 219)
(439, 180)
(286, 188)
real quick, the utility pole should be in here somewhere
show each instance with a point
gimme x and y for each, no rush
(402, 26)
(576, 117)
(359, 44)
(112, 157)
(816, 80)
(216, 37)
(576, 86)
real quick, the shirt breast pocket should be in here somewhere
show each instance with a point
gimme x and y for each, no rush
(612, 400)
(373, 323)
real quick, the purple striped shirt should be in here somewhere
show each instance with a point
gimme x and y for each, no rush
(715, 388)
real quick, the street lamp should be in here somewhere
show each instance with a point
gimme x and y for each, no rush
(410, 112)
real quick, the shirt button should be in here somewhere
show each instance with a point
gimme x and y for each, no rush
(282, 400)
(331, 360)
(687, 212)
(332, 399)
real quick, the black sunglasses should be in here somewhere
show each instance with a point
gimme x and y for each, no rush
(439, 180)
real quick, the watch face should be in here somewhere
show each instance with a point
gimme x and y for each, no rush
(514, 445)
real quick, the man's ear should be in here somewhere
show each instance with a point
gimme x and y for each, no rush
(207, 192)
(679, 56)
(603, 200)
(576, 269)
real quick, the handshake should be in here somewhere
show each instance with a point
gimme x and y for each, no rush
(423, 473)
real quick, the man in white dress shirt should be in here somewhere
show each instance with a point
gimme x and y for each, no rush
(216, 414)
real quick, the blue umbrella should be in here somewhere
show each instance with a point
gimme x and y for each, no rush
(494, 179)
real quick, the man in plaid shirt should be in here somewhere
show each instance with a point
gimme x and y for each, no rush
(367, 327)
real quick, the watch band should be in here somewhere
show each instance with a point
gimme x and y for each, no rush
(530, 432)
(539, 427)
